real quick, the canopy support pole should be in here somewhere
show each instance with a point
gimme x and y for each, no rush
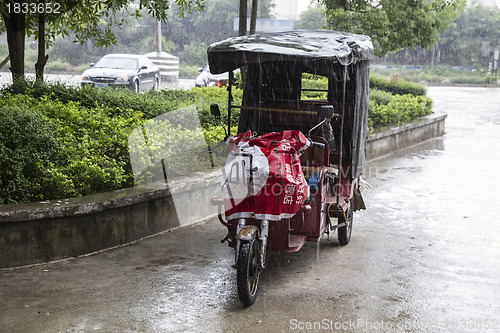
(341, 153)
(229, 102)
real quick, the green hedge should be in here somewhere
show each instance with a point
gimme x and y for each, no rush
(28, 147)
(398, 110)
(396, 86)
(62, 149)
(151, 103)
(62, 141)
(59, 141)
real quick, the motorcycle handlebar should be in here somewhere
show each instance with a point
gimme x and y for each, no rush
(318, 144)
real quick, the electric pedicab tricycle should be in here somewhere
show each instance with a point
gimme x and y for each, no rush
(292, 174)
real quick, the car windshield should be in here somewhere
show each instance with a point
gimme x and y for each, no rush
(117, 62)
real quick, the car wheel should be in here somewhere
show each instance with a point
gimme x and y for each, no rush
(136, 85)
(156, 86)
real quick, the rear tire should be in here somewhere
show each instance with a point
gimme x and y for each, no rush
(344, 233)
(248, 270)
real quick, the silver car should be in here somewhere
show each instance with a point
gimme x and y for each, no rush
(133, 71)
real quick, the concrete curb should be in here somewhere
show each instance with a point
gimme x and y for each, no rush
(394, 139)
(39, 232)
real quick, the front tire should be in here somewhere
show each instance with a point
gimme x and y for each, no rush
(248, 270)
(136, 86)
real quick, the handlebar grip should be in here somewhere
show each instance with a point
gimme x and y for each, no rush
(318, 144)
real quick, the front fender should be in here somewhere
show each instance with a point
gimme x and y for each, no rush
(247, 232)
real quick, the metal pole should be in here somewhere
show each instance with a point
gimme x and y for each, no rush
(341, 153)
(229, 102)
(158, 37)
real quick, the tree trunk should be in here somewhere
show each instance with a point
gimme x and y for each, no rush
(16, 31)
(242, 31)
(42, 57)
(253, 19)
(433, 55)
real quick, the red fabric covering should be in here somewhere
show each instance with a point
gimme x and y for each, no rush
(263, 178)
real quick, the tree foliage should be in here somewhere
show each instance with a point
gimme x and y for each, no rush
(469, 41)
(213, 24)
(471, 38)
(186, 37)
(90, 19)
(393, 24)
(312, 18)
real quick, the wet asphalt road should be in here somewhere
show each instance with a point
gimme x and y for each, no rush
(424, 257)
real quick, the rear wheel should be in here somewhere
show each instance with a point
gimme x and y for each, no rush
(248, 270)
(344, 233)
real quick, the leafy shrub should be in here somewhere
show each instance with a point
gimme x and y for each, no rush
(188, 70)
(58, 65)
(61, 141)
(28, 145)
(401, 109)
(62, 149)
(396, 85)
(310, 81)
(89, 129)
(380, 97)
(209, 95)
(468, 79)
(151, 103)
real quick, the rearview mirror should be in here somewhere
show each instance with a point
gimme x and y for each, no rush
(214, 110)
(325, 111)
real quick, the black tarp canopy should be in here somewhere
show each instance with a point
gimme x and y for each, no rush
(322, 52)
(340, 47)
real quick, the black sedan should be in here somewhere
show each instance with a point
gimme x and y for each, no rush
(132, 71)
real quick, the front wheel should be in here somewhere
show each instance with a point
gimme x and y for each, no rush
(156, 86)
(248, 270)
(344, 233)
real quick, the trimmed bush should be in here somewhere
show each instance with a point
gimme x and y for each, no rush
(60, 141)
(151, 103)
(310, 81)
(396, 85)
(28, 147)
(401, 109)
(380, 97)
(50, 149)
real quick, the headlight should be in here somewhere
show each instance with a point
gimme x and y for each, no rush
(85, 78)
(122, 79)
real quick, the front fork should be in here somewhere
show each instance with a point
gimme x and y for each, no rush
(246, 232)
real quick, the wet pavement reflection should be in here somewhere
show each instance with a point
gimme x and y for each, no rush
(424, 257)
